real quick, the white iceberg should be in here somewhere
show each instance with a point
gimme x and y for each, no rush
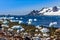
(52, 23)
(20, 22)
(30, 20)
(35, 19)
(11, 18)
(16, 18)
(21, 18)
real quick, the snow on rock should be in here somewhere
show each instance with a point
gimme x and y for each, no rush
(46, 35)
(36, 30)
(45, 10)
(52, 13)
(10, 29)
(1, 20)
(4, 25)
(18, 31)
(16, 26)
(44, 30)
(22, 29)
(38, 27)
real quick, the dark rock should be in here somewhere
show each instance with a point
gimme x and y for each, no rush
(34, 12)
(55, 9)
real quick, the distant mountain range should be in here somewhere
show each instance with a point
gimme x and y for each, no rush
(46, 11)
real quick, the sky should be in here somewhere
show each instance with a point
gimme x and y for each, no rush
(23, 7)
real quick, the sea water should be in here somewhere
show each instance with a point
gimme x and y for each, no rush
(36, 20)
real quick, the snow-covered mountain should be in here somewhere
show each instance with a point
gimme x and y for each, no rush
(47, 11)
(51, 11)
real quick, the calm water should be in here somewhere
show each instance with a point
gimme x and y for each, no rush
(40, 20)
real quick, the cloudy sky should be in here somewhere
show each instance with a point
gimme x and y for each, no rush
(23, 7)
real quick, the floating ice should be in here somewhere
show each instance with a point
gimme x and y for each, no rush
(35, 19)
(5, 21)
(21, 18)
(11, 17)
(52, 23)
(16, 18)
(20, 22)
(30, 20)
(5, 17)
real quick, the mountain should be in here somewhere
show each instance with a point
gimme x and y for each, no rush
(51, 11)
(34, 12)
(46, 11)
